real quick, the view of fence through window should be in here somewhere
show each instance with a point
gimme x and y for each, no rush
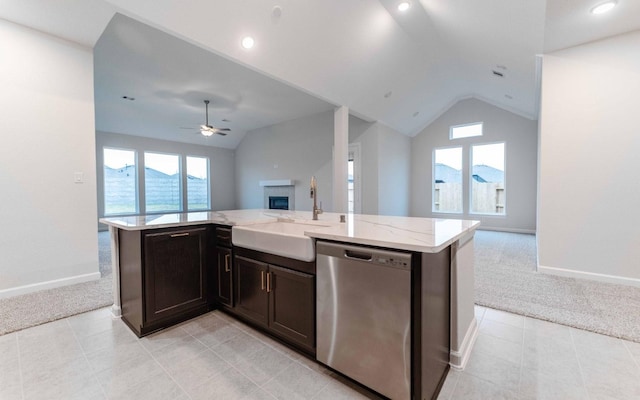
(447, 171)
(162, 182)
(487, 183)
(197, 183)
(120, 195)
(487, 194)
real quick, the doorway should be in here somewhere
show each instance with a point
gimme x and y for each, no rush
(354, 187)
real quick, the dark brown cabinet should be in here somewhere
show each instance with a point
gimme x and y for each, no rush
(292, 305)
(222, 282)
(163, 277)
(252, 298)
(282, 300)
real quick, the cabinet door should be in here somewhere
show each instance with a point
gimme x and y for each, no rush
(251, 294)
(292, 305)
(174, 272)
(224, 264)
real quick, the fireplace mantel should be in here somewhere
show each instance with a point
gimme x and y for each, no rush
(278, 182)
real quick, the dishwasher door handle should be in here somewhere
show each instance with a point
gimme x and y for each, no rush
(356, 255)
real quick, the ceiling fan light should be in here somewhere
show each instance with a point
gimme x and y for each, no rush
(604, 7)
(206, 132)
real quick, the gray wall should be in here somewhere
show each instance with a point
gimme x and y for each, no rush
(221, 164)
(296, 149)
(589, 161)
(49, 222)
(394, 172)
(386, 167)
(520, 136)
(301, 148)
(366, 133)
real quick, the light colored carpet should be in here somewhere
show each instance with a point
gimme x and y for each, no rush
(37, 308)
(506, 279)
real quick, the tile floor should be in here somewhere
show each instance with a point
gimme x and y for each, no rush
(90, 356)
(517, 357)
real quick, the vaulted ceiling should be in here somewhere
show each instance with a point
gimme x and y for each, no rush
(400, 68)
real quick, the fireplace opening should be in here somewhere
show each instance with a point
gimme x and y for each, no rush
(278, 203)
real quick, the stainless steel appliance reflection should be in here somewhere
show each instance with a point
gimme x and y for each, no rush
(363, 315)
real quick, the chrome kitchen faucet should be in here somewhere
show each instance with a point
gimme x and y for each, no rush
(314, 195)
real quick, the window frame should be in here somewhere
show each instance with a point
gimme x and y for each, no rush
(453, 127)
(504, 183)
(135, 178)
(433, 179)
(186, 184)
(181, 184)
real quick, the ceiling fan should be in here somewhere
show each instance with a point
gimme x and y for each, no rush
(208, 130)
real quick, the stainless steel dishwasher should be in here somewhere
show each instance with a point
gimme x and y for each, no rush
(363, 315)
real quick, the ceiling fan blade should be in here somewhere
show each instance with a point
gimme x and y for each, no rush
(187, 127)
(208, 130)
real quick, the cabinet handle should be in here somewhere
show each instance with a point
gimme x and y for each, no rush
(268, 282)
(226, 263)
(180, 234)
(262, 280)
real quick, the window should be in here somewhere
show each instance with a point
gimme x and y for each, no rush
(465, 131)
(447, 178)
(487, 179)
(120, 194)
(197, 183)
(162, 182)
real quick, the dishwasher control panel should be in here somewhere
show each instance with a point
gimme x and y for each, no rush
(392, 262)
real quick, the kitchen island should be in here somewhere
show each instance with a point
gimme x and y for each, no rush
(140, 239)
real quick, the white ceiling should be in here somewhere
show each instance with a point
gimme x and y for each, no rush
(170, 79)
(345, 52)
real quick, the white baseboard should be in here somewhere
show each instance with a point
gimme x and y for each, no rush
(458, 358)
(116, 312)
(36, 287)
(510, 230)
(571, 273)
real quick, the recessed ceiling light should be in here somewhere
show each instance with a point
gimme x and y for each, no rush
(248, 42)
(604, 7)
(404, 6)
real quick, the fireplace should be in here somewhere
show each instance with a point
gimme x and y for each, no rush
(278, 202)
(279, 194)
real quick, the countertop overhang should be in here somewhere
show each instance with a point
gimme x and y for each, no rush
(425, 235)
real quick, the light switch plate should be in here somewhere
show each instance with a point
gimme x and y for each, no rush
(78, 177)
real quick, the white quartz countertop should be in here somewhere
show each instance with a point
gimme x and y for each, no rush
(426, 235)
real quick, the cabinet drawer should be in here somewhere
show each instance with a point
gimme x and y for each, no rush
(223, 236)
